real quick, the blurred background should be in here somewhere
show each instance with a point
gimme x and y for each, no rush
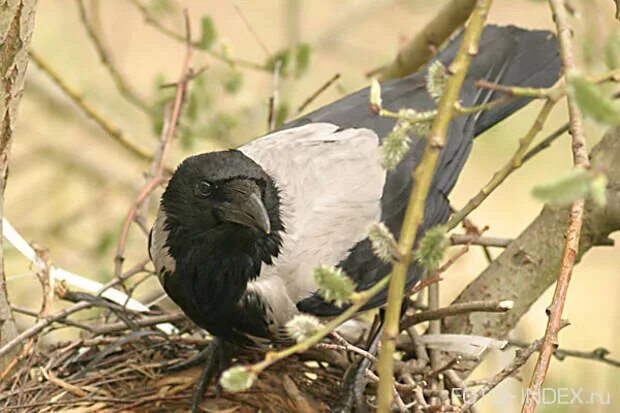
(70, 185)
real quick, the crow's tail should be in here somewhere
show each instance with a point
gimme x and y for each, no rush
(507, 55)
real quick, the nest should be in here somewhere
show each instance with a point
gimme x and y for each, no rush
(128, 374)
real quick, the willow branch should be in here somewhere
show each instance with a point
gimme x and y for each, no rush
(419, 50)
(415, 209)
(513, 164)
(575, 221)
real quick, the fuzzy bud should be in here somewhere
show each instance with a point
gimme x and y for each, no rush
(237, 378)
(432, 248)
(375, 96)
(383, 243)
(302, 326)
(577, 184)
(395, 145)
(436, 78)
(334, 284)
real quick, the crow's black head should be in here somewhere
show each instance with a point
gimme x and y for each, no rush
(224, 199)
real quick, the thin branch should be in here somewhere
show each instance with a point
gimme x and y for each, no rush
(109, 127)
(538, 93)
(158, 161)
(120, 83)
(415, 209)
(223, 57)
(520, 359)
(71, 279)
(514, 163)
(274, 99)
(146, 190)
(402, 407)
(41, 324)
(65, 321)
(545, 143)
(250, 28)
(47, 296)
(454, 309)
(473, 239)
(575, 221)
(446, 366)
(435, 325)
(532, 253)
(317, 93)
(358, 300)
(141, 322)
(598, 354)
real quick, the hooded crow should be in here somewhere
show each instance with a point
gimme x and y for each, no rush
(239, 232)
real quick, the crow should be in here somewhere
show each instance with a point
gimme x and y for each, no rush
(239, 232)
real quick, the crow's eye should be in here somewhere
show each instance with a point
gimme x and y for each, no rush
(203, 189)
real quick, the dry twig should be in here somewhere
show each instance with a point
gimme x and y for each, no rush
(520, 359)
(158, 164)
(598, 354)
(486, 306)
(473, 239)
(575, 222)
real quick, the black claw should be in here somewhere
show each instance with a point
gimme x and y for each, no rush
(354, 383)
(218, 357)
(203, 382)
(196, 360)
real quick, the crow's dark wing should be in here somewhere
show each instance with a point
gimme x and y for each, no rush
(507, 55)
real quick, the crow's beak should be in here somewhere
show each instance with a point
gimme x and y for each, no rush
(248, 209)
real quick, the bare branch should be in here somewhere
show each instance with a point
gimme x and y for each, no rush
(41, 325)
(158, 161)
(532, 261)
(598, 354)
(514, 163)
(454, 309)
(461, 239)
(575, 221)
(520, 359)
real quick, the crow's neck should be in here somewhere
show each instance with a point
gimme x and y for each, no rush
(212, 273)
